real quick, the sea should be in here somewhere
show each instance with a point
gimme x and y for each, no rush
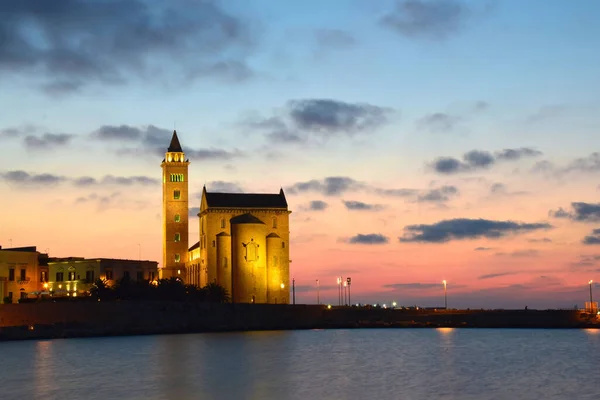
(370, 364)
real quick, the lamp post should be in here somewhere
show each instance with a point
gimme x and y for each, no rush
(345, 290)
(591, 300)
(294, 290)
(339, 283)
(318, 298)
(349, 281)
(445, 295)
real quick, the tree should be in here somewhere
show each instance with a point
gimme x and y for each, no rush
(216, 293)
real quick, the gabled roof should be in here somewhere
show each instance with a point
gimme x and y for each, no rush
(195, 246)
(246, 200)
(175, 147)
(246, 219)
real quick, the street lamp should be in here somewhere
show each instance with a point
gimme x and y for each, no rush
(294, 290)
(349, 281)
(318, 299)
(591, 301)
(445, 295)
(339, 282)
(345, 290)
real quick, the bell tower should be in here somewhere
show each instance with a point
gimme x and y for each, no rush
(175, 210)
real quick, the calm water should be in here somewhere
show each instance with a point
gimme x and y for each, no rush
(333, 364)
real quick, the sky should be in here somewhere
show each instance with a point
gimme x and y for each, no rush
(416, 141)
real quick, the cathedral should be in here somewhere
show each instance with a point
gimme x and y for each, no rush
(243, 242)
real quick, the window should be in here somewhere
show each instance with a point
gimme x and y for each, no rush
(177, 257)
(43, 277)
(89, 276)
(177, 178)
(176, 194)
(177, 237)
(274, 222)
(109, 274)
(283, 245)
(23, 295)
(140, 275)
(11, 274)
(23, 275)
(60, 276)
(71, 275)
(214, 244)
(126, 275)
(222, 223)
(177, 218)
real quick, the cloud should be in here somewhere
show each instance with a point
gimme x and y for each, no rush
(16, 132)
(500, 190)
(439, 195)
(495, 275)
(47, 140)
(541, 240)
(438, 122)
(334, 39)
(546, 112)
(429, 19)
(330, 186)
(478, 160)
(19, 176)
(301, 120)
(465, 229)
(593, 239)
(582, 212)
(520, 253)
(153, 140)
(586, 165)
(101, 201)
(483, 248)
(395, 192)
(111, 42)
(360, 206)
(317, 205)
(224, 187)
(371, 238)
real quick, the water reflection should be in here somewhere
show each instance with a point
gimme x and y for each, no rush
(336, 364)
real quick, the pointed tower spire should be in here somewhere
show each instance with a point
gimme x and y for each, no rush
(175, 147)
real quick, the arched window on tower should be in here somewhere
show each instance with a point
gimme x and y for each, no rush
(222, 223)
(176, 194)
(177, 237)
(283, 245)
(274, 222)
(177, 218)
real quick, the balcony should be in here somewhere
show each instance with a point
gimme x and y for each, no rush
(24, 280)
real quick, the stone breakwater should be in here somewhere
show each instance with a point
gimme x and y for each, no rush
(88, 319)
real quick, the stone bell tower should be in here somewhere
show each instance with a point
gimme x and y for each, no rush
(175, 211)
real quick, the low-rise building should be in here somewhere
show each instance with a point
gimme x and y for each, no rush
(19, 273)
(76, 275)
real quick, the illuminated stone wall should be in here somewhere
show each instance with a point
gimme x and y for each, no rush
(221, 253)
(18, 260)
(175, 214)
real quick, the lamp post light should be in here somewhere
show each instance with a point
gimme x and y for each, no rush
(318, 298)
(345, 290)
(349, 281)
(339, 283)
(591, 300)
(445, 295)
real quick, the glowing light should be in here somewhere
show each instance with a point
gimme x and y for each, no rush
(282, 285)
(590, 282)
(178, 272)
(445, 330)
(394, 304)
(45, 286)
(329, 306)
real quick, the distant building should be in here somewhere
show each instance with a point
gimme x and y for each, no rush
(243, 237)
(75, 275)
(20, 274)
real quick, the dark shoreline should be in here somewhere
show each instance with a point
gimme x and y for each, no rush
(88, 319)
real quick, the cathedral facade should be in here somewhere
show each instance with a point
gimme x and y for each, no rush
(243, 242)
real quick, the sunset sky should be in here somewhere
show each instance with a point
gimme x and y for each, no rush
(416, 141)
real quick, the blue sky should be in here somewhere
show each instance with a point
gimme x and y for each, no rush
(380, 91)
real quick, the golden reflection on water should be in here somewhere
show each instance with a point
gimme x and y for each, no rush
(44, 368)
(592, 331)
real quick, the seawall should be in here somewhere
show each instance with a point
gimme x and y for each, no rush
(86, 319)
